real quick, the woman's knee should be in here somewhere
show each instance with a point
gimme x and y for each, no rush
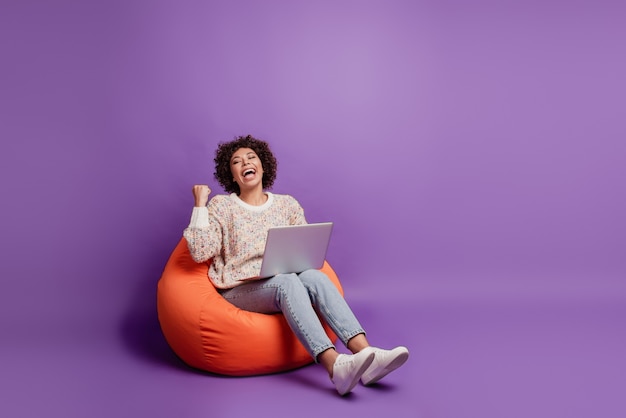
(315, 278)
(287, 283)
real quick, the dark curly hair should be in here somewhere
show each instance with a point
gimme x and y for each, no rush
(224, 153)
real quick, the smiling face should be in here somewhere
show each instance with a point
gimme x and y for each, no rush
(225, 153)
(246, 168)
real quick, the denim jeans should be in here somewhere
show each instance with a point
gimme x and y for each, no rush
(301, 298)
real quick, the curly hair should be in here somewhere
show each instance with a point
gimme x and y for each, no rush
(224, 153)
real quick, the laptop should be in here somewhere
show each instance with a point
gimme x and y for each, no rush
(295, 248)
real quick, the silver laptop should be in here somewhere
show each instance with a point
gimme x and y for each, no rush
(295, 248)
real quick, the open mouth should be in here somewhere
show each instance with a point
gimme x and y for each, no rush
(248, 173)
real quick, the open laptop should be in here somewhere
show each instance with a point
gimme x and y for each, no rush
(295, 248)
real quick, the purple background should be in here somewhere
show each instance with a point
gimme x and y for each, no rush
(472, 157)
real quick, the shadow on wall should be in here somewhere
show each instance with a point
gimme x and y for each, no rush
(140, 330)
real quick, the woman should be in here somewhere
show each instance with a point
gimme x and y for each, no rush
(231, 230)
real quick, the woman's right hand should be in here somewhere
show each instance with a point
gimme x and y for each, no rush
(201, 194)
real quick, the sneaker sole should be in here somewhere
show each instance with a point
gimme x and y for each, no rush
(397, 362)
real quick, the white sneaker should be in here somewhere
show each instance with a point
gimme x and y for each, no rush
(385, 361)
(348, 369)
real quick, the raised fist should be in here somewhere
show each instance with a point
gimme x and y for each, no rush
(201, 194)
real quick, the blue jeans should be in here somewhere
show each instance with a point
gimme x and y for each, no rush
(301, 298)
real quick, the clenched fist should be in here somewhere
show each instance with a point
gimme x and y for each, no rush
(201, 194)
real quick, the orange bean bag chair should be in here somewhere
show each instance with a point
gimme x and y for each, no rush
(209, 333)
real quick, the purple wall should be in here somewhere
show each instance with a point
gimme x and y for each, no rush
(448, 142)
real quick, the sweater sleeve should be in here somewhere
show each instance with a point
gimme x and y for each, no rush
(199, 217)
(296, 212)
(203, 235)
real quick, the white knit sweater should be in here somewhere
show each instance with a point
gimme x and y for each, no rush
(232, 234)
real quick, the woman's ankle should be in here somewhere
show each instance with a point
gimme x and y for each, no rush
(327, 359)
(357, 343)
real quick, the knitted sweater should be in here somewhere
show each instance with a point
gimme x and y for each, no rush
(232, 234)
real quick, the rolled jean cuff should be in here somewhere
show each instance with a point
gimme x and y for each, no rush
(319, 351)
(348, 337)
